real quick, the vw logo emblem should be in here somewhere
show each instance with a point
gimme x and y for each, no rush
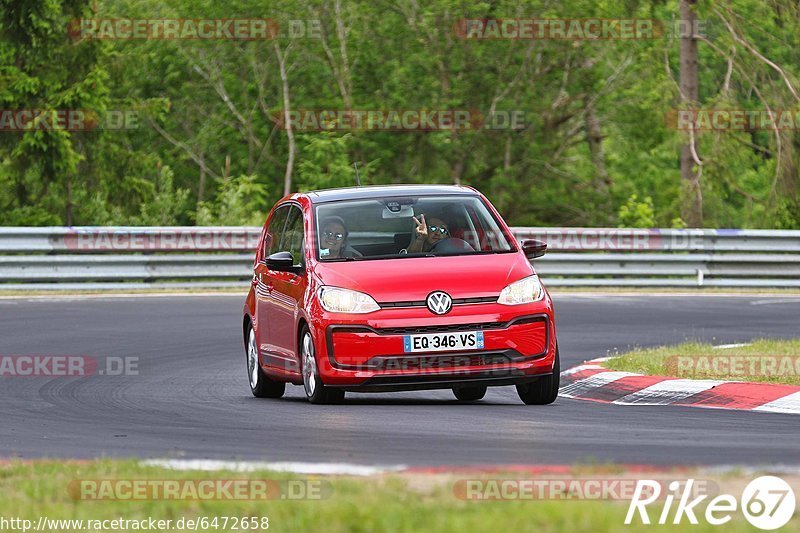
(439, 302)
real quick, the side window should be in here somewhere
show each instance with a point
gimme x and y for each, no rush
(275, 231)
(293, 236)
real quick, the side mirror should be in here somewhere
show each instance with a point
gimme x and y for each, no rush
(281, 261)
(533, 248)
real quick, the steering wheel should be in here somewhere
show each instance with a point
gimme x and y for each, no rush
(452, 245)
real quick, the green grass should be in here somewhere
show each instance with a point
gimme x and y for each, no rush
(384, 503)
(764, 360)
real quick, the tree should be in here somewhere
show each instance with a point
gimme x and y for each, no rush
(43, 71)
(691, 165)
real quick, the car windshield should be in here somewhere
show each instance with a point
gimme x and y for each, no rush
(407, 226)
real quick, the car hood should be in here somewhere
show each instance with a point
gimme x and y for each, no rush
(414, 278)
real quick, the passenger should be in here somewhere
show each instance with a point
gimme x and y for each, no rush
(427, 235)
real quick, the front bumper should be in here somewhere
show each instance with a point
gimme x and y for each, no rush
(395, 383)
(367, 355)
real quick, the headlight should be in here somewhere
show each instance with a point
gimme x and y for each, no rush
(338, 300)
(524, 291)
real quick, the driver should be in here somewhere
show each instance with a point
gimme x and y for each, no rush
(427, 234)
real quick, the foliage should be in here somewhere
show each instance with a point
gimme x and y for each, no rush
(210, 109)
(166, 206)
(637, 214)
(241, 201)
(326, 162)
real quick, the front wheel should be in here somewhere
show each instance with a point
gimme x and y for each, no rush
(544, 390)
(316, 391)
(260, 385)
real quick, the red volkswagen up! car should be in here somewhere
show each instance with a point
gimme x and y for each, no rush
(397, 288)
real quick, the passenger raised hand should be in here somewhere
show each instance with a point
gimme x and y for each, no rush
(421, 231)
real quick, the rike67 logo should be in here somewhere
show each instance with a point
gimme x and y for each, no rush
(768, 503)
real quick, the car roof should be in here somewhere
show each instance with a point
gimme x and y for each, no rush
(380, 191)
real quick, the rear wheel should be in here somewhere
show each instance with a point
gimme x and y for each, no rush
(544, 390)
(469, 394)
(260, 385)
(316, 391)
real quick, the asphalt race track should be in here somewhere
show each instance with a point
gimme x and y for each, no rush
(191, 399)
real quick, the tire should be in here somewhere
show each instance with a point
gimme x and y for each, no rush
(260, 385)
(315, 390)
(544, 390)
(469, 393)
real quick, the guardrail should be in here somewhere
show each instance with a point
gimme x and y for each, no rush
(113, 257)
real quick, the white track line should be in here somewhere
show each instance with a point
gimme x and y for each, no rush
(603, 359)
(580, 368)
(315, 468)
(770, 301)
(735, 345)
(210, 465)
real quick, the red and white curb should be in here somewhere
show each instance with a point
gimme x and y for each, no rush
(592, 381)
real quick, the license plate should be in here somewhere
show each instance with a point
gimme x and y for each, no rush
(440, 342)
